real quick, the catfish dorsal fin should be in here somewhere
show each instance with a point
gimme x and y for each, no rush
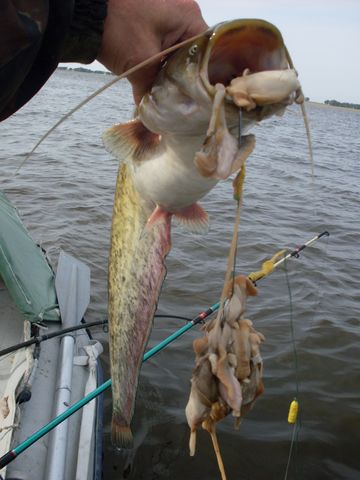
(131, 139)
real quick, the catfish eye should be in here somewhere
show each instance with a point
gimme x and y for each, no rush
(193, 49)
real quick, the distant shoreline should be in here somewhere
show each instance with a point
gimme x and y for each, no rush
(101, 72)
(325, 105)
(84, 70)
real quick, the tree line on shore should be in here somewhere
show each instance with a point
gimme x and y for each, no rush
(84, 70)
(335, 103)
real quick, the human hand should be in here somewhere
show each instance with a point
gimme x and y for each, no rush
(135, 30)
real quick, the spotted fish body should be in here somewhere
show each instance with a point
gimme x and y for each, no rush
(182, 142)
(134, 288)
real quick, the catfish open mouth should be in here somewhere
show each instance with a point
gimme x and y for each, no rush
(255, 45)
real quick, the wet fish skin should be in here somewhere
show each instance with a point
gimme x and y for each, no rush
(158, 178)
(136, 273)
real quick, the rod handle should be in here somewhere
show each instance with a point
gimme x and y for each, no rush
(7, 458)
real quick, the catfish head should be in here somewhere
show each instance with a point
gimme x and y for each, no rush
(186, 135)
(248, 57)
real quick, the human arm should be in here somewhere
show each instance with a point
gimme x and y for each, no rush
(36, 35)
(33, 41)
(138, 29)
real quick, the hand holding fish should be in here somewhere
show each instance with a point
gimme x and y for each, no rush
(138, 29)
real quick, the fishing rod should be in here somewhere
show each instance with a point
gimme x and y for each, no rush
(296, 253)
(12, 454)
(270, 265)
(47, 336)
(84, 325)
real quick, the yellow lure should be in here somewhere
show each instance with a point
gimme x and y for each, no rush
(267, 267)
(293, 411)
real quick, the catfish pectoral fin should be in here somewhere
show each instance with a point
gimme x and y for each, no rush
(131, 139)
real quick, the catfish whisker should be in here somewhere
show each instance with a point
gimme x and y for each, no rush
(158, 56)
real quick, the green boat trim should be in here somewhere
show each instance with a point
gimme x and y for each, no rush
(24, 268)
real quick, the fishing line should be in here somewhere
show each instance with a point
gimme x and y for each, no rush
(297, 426)
(235, 252)
(294, 434)
(294, 416)
(292, 328)
(238, 198)
(238, 186)
(240, 128)
(320, 288)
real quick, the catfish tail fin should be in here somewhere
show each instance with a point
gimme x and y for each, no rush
(121, 435)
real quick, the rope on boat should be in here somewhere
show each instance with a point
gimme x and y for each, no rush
(12, 454)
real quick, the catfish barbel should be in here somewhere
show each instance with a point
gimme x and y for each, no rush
(183, 140)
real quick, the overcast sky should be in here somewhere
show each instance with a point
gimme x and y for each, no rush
(322, 36)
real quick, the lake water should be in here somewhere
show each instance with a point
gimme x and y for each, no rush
(65, 194)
